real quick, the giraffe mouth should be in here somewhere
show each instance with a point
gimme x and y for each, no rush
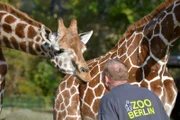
(80, 81)
(83, 76)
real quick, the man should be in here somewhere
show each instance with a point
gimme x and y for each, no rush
(125, 101)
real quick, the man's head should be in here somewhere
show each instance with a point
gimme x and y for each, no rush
(114, 73)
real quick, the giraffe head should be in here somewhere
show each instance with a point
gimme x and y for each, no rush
(68, 48)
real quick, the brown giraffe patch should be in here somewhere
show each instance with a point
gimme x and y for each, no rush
(149, 28)
(72, 90)
(177, 33)
(31, 32)
(67, 94)
(69, 84)
(144, 50)
(151, 68)
(58, 102)
(96, 105)
(20, 30)
(156, 87)
(1, 15)
(99, 90)
(38, 39)
(144, 84)
(102, 66)
(135, 44)
(94, 82)
(31, 49)
(14, 42)
(62, 106)
(129, 42)
(94, 63)
(7, 28)
(158, 47)
(63, 85)
(23, 46)
(6, 42)
(10, 19)
(114, 55)
(90, 93)
(37, 48)
(138, 75)
(74, 104)
(177, 14)
(1, 56)
(167, 27)
(169, 84)
(94, 71)
(56, 60)
(86, 112)
(3, 67)
(157, 29)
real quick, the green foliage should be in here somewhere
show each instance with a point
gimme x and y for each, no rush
(45, 78)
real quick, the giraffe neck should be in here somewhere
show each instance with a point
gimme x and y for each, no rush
(145, 47)
(149, 40)
(22, 33)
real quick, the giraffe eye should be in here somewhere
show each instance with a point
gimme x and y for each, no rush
(59, 51)
(84, 69)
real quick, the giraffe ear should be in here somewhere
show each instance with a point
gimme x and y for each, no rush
(85, 36)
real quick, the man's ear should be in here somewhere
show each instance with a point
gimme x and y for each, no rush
(106, 80)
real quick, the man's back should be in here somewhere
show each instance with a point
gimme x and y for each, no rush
(126, 102)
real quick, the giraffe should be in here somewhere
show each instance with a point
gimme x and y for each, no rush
(64, 49)
(145, 49)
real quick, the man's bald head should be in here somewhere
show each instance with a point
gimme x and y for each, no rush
(116, 70)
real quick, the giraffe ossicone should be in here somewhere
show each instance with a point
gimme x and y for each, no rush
(64, 49)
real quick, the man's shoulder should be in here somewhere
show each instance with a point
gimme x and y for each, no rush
(141, 91)
(108, 97)
(141, 88)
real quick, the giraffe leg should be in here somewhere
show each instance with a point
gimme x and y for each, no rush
(67, 102)
(3, 71)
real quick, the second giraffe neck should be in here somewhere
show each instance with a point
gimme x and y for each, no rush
(145, 48)
(20, 35)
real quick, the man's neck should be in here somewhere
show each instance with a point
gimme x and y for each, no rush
(116, 83)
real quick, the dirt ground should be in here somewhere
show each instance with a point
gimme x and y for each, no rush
(24, 114)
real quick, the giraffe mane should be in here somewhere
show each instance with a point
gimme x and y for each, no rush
(8, 8)
(148, 17)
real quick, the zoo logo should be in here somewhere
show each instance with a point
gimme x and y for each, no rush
(139, 108)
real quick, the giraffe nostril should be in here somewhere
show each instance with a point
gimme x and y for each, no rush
(84, 69)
